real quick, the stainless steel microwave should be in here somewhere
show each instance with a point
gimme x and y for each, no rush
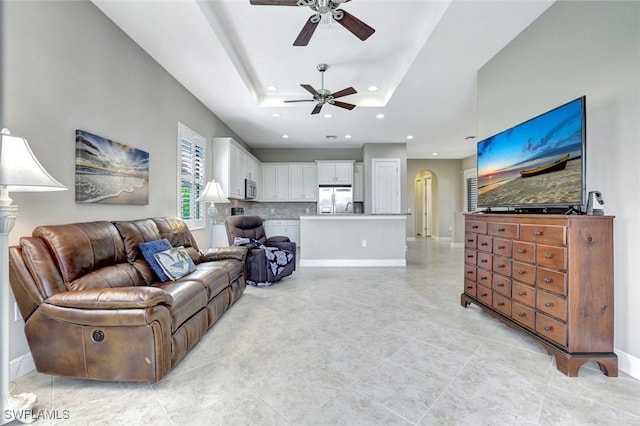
(250, 189)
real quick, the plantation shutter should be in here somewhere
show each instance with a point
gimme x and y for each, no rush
(192, 161)
(472, 194)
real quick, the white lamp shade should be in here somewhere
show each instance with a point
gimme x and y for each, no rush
(213, 193)
(20, 171)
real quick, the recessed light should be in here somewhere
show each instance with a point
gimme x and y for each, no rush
(285, 136)
(328, 116)
(272, 88)
(435, 154)
(275, 115)
(373, 88)
(409, 137)
(347, 136)
(380, 116)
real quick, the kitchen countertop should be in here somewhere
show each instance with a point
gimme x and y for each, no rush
(355, 216)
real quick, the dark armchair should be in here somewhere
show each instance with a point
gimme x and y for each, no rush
(258, 269)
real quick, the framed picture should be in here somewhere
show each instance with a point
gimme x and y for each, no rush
(109, 172)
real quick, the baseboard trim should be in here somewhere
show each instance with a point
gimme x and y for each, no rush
(628, 364)
(21, 366)
(352, 262)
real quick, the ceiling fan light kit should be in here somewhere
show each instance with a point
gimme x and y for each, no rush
(321, 7)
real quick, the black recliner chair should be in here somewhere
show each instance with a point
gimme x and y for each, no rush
(258, 269)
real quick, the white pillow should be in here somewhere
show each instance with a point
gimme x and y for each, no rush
(175, 262)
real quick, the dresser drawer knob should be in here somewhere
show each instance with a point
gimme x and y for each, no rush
(483, 278)
(522, 251)
(548, 328)
(522, 293)
(469, 256)
(548, 280)
(537, 233)
(520, 272)
(502, 265)
(470, 240)
(501, 229)
(548, 304)
(502, 247)
(500, 303)
(484, 244)
(522, 314)
(501, 285)
(469, 272)
(483, 261)
(484, 295)
(474, 227)
(548, 256)
(469, 287)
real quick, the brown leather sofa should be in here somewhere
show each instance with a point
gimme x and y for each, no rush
(94, 309)
(258, 270)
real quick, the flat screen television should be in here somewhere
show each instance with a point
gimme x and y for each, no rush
(537, 164)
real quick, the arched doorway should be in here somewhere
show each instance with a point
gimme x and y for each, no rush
(424, 203)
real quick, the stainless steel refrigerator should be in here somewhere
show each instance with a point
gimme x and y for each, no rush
(335, 199)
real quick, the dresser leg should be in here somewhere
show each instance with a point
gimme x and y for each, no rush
(464, 300)
(570, 364)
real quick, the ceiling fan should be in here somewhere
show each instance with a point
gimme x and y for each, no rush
(324, 96)
(320, 7)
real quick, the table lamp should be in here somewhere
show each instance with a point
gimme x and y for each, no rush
(20, 171)
(212, 193)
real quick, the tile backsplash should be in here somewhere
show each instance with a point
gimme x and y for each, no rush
(267, 210)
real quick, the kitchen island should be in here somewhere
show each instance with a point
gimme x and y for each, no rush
(353, 240)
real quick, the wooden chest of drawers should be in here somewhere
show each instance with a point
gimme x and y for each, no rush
(548, 276)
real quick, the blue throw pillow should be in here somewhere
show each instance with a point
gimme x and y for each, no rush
(149, 249)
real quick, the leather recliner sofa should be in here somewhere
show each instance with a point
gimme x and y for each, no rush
(258, 270)
(94, 309)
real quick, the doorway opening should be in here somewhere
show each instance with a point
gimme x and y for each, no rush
(424, 203)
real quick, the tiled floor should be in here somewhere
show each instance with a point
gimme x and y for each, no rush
(354, 346)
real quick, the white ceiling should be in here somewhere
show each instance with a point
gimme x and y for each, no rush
(424, 57)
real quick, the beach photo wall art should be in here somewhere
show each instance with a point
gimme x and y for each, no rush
(109, 172)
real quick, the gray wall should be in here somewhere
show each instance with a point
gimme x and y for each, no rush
(584, 48)
(66, 67)
(446, 194)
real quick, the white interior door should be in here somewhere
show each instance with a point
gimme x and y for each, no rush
(428, 214)
(385, 173)
(420, 207)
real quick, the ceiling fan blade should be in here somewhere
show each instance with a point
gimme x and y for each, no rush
(344, 105)
(309, 88)
(317, 109)
(356, 26)
(300, 100)
(344, 92)
(274, 2)
(306, 32)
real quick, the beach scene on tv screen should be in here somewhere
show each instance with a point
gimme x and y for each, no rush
(538, 162)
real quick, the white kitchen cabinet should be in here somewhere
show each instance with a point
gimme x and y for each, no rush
(232, 164)
(275, 182)
(302, 182)
(283, 227)
(335, 172)
(358, 182)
